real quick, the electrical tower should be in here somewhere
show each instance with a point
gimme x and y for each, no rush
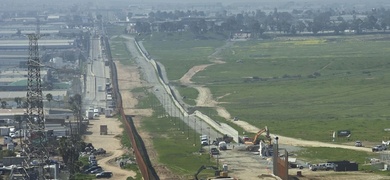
(35, 145)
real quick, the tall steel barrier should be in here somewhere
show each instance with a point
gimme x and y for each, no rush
(138, 145)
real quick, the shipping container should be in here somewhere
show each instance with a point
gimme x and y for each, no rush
(103, 129)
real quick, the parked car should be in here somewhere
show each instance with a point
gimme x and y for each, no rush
(98, 170)
(358, 144)
(92, 168)
(93, 162)
(100, 151)
(322, 166)
(214, 151)
(204, 143)
(379, 148)
(104, 174)
(295, 165)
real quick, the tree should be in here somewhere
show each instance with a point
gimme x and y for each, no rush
(75, 103)
(4, 104)
(18, 101)
(49, 97)
(301, 26)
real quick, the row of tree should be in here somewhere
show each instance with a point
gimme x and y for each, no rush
(259, 22)
(23, 104)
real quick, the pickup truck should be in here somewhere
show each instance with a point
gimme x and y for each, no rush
(322, 166)
(379, 148)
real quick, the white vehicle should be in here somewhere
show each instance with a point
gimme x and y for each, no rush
(222, 145)
(321, 166)
(18, 133)
(204, 140)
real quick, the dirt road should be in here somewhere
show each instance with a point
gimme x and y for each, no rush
(244, 164)
(205, 99)
(247, 167)
(131, 79)
(110, 143)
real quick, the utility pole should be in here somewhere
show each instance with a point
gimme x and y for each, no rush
(188, 126)
(195, 132)
(35, 146)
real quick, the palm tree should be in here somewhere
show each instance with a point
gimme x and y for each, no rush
(49, 97)
(75, 103)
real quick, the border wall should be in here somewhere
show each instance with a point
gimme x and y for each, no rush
(220, 127)
(139, 148)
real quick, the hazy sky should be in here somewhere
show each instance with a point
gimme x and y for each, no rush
(361, 4)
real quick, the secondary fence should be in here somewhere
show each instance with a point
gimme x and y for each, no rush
(138, 145)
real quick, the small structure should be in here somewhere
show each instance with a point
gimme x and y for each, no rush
(103, 129)
(345, 165)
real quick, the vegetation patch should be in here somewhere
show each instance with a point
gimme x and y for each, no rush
(178, 56)
(119, 51)
(188, 94)
(175, 143)
(315, 155)
(306, 91)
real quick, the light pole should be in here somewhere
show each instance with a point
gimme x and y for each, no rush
(188, 126)
(195, 132)
(209, 145)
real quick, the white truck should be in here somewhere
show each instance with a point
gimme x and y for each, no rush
(18, 133)
(204, 140)
(89, 113)
(321, 166)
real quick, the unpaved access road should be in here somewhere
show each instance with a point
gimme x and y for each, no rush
(110, 143)
(244, 165)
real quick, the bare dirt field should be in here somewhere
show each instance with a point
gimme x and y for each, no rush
(131, 79)
(110, 143)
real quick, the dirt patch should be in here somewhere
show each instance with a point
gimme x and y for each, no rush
(110, 143)
(330, 175)
(130, 79)
(186, 79)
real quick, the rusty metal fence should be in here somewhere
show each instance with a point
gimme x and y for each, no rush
(138, 145)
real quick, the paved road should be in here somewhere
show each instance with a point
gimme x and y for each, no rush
(97, 73)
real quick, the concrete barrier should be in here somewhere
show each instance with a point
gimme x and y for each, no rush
(220, 127)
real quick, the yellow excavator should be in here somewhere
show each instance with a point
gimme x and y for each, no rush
(219, 174)
(255, 141)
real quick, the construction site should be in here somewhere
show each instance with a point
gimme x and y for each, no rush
(47, 135)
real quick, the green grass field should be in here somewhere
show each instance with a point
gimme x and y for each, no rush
(321, 154)
(119, 51)
(173, 141)
(300, 88)
(178, 53)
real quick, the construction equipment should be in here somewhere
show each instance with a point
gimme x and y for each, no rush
(254, 145)
(219, 174)
(255, 141)
(225, 138)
